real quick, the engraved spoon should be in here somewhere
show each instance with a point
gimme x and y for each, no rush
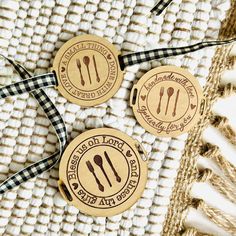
(98, 160)
(170, 92)
(86, 61)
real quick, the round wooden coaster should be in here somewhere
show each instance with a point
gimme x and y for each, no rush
(103, 172)
(88, 70)
(166, 101)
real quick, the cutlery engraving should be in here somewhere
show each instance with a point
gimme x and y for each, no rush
(176, 102)
(86, 61)
(118, 178)
(170, 92)
(98, 160)
(88, 70)
(96, 69)
(91, 169)
(81, 75)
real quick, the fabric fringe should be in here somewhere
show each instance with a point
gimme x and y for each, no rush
(227, 168)
(222, 219)
(226, 91)
(193, 232)
(190, 232)
(225, 184)
(222, 123)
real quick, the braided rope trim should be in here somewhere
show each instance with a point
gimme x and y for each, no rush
(174, 223)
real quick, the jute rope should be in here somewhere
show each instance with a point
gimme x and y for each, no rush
(222, 123)
(227, 168)
(193, 232)
(187, 171)
(223, 186)
(224, 220)
(190, 232)
(225, 91)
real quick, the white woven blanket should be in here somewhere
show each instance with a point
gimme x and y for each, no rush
(31, 32)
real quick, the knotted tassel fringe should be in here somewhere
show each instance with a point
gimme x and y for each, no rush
(222, 123)
(223, 186)
(222, 219)
(193, 232)
(227, 168)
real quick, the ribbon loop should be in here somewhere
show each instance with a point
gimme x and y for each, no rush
(33, 84)
(139, 57)
(29, 172)
(161, 6)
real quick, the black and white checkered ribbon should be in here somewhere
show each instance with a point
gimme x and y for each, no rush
(139, 57)
(161, 6)
(34, 84)
(28, 85)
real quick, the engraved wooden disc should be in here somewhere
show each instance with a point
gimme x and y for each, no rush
(103, 172)
(166, 101)
(88, 70)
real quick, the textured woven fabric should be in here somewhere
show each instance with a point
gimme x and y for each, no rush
(31, 32)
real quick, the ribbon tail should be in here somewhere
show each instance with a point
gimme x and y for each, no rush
(29, 172)
(28, 85)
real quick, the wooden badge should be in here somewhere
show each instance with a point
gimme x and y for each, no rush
(88, 70)
(166, 101)
(103, 172)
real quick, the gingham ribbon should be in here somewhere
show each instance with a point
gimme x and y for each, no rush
(139, 57)
(34, 84)
(28, 85)
(161, 6)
